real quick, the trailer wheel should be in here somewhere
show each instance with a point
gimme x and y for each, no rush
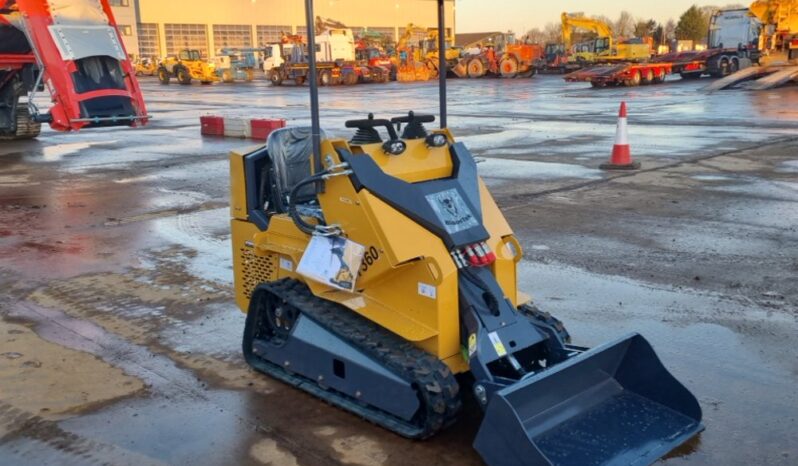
(275, 78)
(734, 65)
(163, 76)
(660, 77)
(634, 80)
(476, 69)
(649, 78)
(723, 67)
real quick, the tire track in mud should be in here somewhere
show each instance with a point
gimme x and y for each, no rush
(27, 436)
(145, 309)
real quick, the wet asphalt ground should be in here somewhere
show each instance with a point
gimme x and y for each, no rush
(120, 340)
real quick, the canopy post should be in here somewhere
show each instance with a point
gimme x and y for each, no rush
(314, 88)
(442, 66)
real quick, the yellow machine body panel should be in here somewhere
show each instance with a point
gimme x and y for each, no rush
(411, 286)
(417, 163)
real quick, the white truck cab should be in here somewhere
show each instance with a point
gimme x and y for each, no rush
(332, 45)
(729, 29)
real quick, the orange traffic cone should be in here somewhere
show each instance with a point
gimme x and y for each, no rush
(621, 158)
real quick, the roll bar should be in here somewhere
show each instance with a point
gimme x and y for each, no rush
(315, 124)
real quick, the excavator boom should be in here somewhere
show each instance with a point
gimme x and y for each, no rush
(572, 21)
(73, 48)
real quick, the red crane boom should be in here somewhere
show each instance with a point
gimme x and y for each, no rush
(73, 48)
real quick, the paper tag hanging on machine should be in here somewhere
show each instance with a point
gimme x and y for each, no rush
(332, 260)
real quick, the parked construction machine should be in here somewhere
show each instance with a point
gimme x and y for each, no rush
(517, 60)
(603, 48)
(412, 64)
(73, 49)
(335, 57)
(555, 59)
(145, 66)
(379, 275)
(429, 49)
(237, 64)
(186, 66)
(777, 48)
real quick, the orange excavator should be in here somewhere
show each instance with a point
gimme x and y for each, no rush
(73, 49)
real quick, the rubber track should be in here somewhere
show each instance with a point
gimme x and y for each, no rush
(440, 391)
(26, 127)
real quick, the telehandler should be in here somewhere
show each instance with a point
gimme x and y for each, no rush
(186, 66)
(429, 293)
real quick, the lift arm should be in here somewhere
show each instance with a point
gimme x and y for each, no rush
(408, 34)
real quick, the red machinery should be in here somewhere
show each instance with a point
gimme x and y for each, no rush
(74, 49)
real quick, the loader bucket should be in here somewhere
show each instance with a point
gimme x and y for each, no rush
(615, 404)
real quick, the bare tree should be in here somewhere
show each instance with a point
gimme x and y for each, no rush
(645, 28)
(553, 32)
(625, 26)
(536, 36)
(670, 30)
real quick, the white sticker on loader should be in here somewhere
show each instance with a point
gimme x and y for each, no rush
(497, 344)
(427, 290)
(286, 264)
(452, 211)
(333, 261)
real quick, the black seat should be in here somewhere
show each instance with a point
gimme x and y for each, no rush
(290, 152)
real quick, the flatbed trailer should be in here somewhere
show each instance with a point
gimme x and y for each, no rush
(689, 65)
(717, 62)
(329, 73)
(622, 74)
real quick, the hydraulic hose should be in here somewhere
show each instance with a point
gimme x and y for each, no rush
(298, 220)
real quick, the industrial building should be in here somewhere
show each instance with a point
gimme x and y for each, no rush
(151, 28)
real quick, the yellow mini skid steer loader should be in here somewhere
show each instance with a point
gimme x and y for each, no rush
(374, 270)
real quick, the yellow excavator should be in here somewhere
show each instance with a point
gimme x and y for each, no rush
(411, 63)
(601, 49)
(379, 275)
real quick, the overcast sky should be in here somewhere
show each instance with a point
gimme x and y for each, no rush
(522, 15)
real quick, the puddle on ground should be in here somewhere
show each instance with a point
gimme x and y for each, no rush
(208, 234)
(56, 152)
(790, 166)
(714, 178)
(510, 169)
